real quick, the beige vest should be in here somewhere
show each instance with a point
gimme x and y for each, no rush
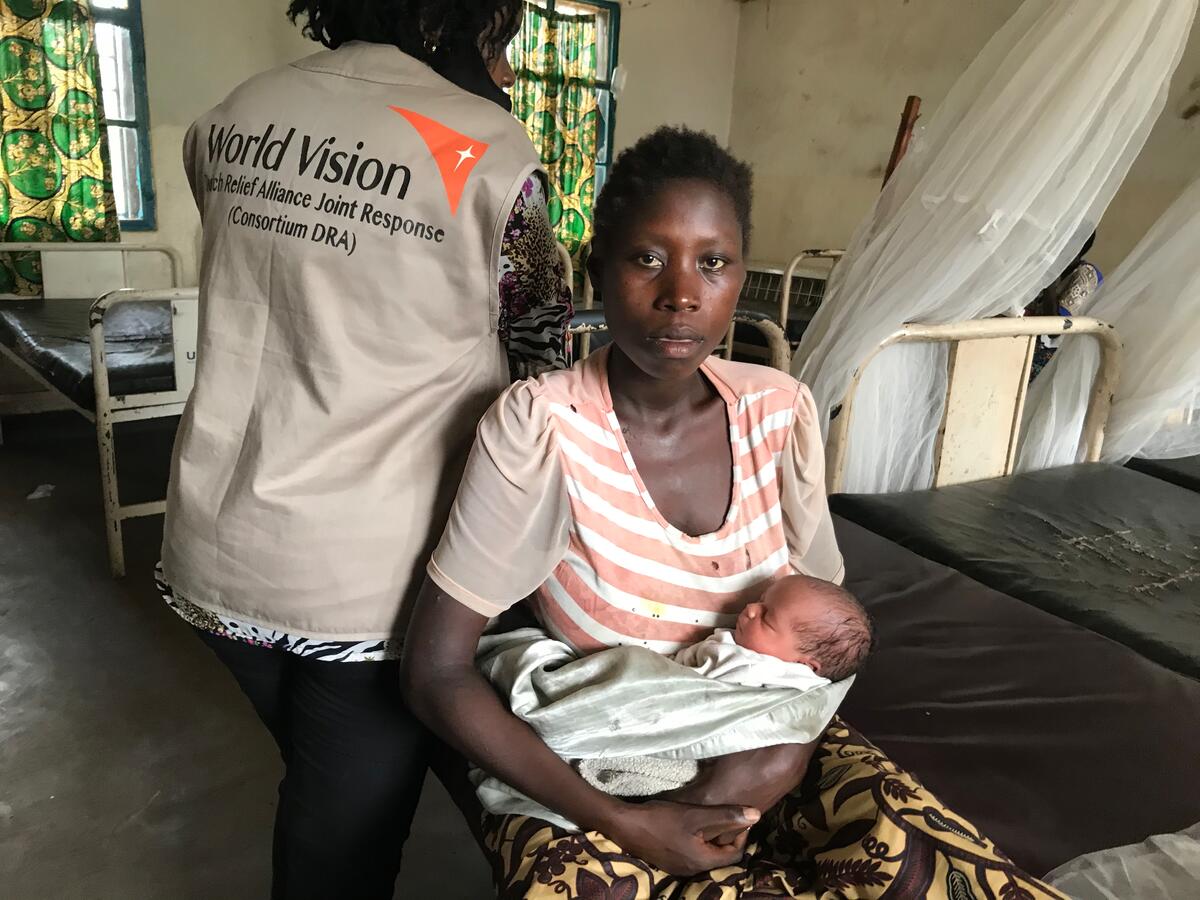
(353, 207)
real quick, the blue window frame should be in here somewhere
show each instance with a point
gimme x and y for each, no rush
(120, 44)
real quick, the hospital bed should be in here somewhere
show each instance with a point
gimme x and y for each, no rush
(1102, 546)
(1052, 739)
(110, 353)
(1105, 547)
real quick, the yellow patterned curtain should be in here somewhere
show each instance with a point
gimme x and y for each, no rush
(555, 96)
(54, 170)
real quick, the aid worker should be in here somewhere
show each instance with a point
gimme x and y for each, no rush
(377, 265)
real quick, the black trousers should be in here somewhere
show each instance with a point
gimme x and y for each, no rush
(355, 761)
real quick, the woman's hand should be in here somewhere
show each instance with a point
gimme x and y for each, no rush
(680, 838)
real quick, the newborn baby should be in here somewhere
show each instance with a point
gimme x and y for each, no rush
(803, 632)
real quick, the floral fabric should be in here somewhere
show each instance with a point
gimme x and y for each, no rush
(858, 828)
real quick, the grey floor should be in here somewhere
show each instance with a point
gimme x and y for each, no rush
(130, 765)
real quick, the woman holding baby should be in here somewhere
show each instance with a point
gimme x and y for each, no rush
(646, 497)
(642, 497)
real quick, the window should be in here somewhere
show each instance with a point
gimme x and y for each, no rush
(564, 58)
(122, 53)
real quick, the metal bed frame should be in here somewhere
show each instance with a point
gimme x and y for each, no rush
(761, 286)
(113, 410)
(988, 381)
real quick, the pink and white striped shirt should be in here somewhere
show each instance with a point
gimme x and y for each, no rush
(552, 506)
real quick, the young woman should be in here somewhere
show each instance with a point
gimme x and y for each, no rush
(640, 497)
(377, 260)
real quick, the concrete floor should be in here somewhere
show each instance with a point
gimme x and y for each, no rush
(131, 766)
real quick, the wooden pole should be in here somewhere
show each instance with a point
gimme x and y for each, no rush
(908, 121)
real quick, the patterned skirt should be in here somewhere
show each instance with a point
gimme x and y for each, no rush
(858, 828)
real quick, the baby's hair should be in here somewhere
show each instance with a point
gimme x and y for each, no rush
(671, 154)
(841, 647)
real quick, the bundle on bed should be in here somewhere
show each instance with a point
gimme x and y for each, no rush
(633, 721)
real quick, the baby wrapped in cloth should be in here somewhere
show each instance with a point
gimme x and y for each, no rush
(637, 723)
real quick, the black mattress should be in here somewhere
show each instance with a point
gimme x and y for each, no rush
(1052, 739)
(1184, 472)
(51, 336)
(1110, 549)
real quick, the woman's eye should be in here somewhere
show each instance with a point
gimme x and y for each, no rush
(714, 263)
(649, 259)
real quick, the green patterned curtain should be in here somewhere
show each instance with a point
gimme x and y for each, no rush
(54, 177)
(554, 57)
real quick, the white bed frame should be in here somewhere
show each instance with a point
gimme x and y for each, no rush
(988, 380)
(66, 277)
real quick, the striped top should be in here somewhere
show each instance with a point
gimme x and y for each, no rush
(552, 506)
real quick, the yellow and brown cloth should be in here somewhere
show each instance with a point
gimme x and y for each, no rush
(858, 828)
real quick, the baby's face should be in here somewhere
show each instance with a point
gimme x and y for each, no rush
(769, 625)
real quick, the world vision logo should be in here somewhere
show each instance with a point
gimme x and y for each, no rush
(456, 154)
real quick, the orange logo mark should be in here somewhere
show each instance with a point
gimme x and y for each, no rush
(456, 154)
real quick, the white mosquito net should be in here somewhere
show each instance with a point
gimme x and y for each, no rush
(1153, 299)
(996, 196)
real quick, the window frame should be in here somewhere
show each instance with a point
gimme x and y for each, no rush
(613, 9)
(131, 18)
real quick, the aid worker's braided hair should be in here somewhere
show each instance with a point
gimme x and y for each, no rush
(671, 154)
(425, 29)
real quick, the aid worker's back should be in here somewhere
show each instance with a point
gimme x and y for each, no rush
(353, 206)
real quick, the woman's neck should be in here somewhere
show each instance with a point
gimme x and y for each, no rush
(636, 394)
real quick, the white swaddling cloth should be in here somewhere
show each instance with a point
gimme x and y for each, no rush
(630, 702)
(719, 656)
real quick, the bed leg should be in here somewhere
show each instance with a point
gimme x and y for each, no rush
(106, 443)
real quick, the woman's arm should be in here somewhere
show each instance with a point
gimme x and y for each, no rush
(758, 778)
(807, 523)
(535, 296)
(443, 688)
